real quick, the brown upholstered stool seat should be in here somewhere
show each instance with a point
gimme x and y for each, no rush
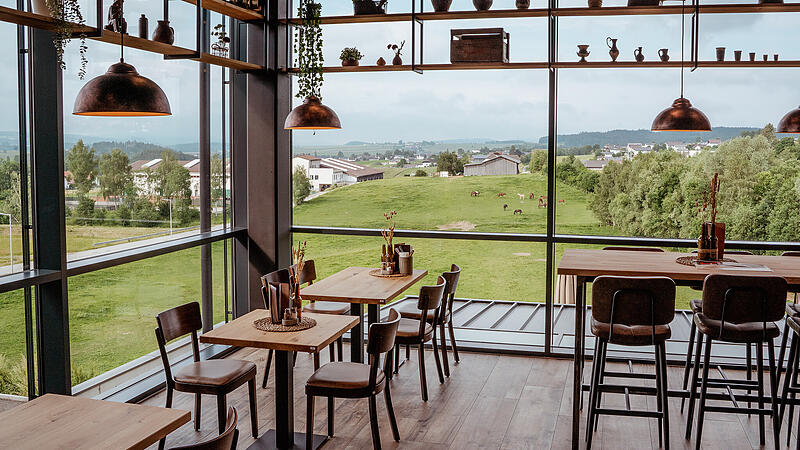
(327, 308)
(410, 328)
(736, 332)
(631, 334)
(343, 375)
(792, 309)
(215, 372)
(409, 311)
(696, 305)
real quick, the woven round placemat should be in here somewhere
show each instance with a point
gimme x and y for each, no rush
(377, 273)
(266, 324)
(691, 260)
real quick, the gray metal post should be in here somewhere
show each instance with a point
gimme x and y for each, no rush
(204, 100)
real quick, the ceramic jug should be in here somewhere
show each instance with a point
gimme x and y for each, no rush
(164, 33)
(612, 44)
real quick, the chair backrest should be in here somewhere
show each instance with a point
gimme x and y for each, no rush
(744, 298)
(268, 291)
(636, 249)
(174, 323)
(280, 277)
(309, 273)
(733, 252)
(430, 298)
(790, 253)
(451, 283)
(380, 339)
(633, 300)
(225, 441)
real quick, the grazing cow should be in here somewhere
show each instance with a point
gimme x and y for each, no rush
(501, 194)
(517, 211)
(474, 193)
(530, 196)
(505, 207)
(521, 196)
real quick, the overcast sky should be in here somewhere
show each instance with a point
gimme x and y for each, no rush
(509, 104)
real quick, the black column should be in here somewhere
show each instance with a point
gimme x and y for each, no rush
(49, 238)
(238, 124)
(204, 99)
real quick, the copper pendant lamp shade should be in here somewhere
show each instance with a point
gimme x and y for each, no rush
(790, 123)
(121, 92)
(312, 115)
(681, 116)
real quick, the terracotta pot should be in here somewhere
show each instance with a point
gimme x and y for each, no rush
(381, 61)
(482, 5)
(595, 3)
(164, 33)
(40, 7)
(441, 5)
(523, 4)
(397, 60)
(349, 62)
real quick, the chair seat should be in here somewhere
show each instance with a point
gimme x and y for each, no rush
(630, 334)
(409, 310)
(343, 375)
(792, 309)
(696, 305)
(215, 372)
(334, 308)
(410, 328)
(736, 332)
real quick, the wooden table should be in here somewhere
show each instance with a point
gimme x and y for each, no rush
(81, 423)
(356, 286)
(241, 333)
(586, 265)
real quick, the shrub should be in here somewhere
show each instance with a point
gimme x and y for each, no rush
(420, 173)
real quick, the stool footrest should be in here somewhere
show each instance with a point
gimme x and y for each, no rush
(629, 413)
(731, 409)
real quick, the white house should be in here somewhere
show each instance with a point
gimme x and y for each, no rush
(352, 172)
(321, 177)
(141, 167)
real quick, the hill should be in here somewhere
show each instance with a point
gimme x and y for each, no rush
(623, 137)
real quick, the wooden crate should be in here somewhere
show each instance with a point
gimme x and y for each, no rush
(479, 45)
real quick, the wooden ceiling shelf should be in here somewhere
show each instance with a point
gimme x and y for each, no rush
(408, 68)
(564, 12)
(229, 9)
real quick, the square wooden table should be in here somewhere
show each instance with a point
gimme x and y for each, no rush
(586, 265)
(356, 286)
(241, 333)
(82, 423)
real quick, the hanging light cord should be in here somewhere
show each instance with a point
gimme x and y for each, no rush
(683, 36)
(121, 34)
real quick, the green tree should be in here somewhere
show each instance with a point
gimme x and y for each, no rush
(171, 179)
(450, 162)
(10, 189)
(115, 175)
(301, 186)
(402, 162)
(83, 164)
(539, 161)
(217, 186)
(420, 173)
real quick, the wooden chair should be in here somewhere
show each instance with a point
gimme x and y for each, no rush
(631, 311)
(410, 311)
(215, 377)
(792, 310)
(739, 309)
(225, 441)
(356, 380)
(790, 384)
(418, 332)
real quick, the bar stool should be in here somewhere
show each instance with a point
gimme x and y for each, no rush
(792, 309)
(738, 309)
(696, 307)
(631, 311)
(790, 384)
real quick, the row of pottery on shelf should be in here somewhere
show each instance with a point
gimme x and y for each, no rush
(350, 56)
(613, 52)
(737, 55)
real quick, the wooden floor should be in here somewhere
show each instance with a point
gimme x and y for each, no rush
(489, 401)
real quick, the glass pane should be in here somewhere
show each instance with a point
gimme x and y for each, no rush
(13, 361)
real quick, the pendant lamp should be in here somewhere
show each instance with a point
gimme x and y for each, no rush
(121, 92)
(790, 123)
(681, 116)
(312, 115)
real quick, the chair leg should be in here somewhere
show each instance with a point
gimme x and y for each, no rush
(423, 381)
(445, 363)
(659, 402)
(316, 361)
(773, 385)
(693, 385)
(222, 412)
(786, 383)
(251, 387)
(688, 366)
(163, 441)
(266, 370)
(749, 374)
(603, 352)
(408, 352)
(664, 392)
(760, 377)
(340, 348)
(331, 412)
(390, 409)
(453, 340)
(701, 410)
(593, 388)
(309, 421)
(782, 350)
(197, 411)
(436, 358)
(373, 422)
(396, 358)
(332, 351)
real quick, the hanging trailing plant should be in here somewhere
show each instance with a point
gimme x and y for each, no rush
(308, 49)
(67, 13)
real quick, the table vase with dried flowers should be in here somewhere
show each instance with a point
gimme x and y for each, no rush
(387, 249)
(298, 256)
(711, 243)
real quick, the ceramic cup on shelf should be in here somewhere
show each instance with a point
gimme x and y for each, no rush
(737, 55)
(720, 53)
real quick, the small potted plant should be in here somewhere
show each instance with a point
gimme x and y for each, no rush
(350, 56)
(220, 48)
(397, 49)
(362, 7)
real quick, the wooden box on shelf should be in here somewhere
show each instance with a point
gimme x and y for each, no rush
(479, 45)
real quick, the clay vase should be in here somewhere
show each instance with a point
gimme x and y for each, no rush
(663, 53)
(397, 60)
(595, 3)
(381, 61)
(638, 54)
(583, 52)
(482, 5)
(523, 4)
(349, 62)
(164, 33)
(441, 5)
(143, 27)
(614, 51)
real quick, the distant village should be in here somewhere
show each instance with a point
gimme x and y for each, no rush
(619, 153)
